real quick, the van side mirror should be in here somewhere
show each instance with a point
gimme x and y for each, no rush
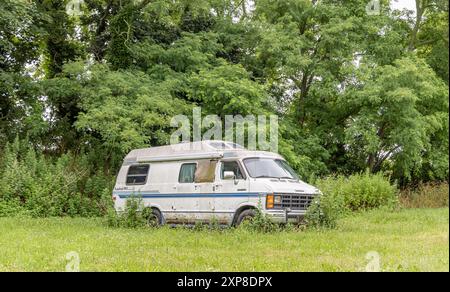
(228, 175)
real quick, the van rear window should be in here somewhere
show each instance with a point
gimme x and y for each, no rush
(137, 174)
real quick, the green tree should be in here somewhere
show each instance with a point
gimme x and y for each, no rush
(20, 36)
(400, 111)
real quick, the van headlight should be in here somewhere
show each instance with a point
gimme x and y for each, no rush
(277, 199)
(272, 200)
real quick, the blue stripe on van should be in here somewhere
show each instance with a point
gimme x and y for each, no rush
(145, 195)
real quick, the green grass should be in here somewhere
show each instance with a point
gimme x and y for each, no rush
(408, 240)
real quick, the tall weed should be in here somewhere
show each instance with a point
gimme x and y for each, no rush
(430, 195)
(42, 186)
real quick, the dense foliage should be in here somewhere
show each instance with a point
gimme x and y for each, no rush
(353, 91)
(342, 195)
(34, 185)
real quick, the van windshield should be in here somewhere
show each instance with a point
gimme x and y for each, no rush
(269, 168)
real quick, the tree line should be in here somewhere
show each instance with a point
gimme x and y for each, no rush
(354, 91)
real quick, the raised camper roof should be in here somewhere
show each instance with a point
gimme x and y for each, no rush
(194, 150)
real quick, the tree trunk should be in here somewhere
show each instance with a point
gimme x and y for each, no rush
(420, 9)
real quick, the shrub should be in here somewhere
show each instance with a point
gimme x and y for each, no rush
(359, 191)
(426, 196)
(323, 212)
(50, 187)
(260, 223)
(133, 216)
(12, 208)
(342, 195)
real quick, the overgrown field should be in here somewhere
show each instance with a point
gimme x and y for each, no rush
(407, 240)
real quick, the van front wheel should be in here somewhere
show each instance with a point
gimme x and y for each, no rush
(154, 218)
(246, 215)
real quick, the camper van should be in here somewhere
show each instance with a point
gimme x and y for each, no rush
(211, 181)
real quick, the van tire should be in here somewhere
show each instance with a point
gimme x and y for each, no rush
(248, 214)
(154, 218)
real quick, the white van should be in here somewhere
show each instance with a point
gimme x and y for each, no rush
(211, 180)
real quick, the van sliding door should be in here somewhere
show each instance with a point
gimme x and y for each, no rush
(185, 204)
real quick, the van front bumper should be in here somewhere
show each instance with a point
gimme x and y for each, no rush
(286, 215)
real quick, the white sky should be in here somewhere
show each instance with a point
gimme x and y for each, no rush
(401, 4)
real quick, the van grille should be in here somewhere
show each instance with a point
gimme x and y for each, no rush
(295, 201)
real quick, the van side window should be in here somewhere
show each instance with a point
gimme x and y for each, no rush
(231, 166)
(187, 173)
(137, 174)
(205, 171)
